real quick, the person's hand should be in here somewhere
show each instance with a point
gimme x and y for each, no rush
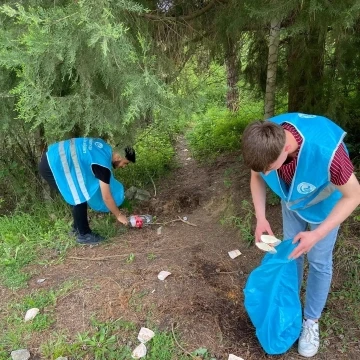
(262, 226)
(123, 219)
(307, 239)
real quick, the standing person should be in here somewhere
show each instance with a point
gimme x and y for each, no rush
(81, 169)
(303, 159)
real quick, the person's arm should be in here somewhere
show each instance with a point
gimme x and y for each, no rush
(346, 205)
(258, 192)
(110, 203)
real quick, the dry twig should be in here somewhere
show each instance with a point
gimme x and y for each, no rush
(185, 351)
(172, 221)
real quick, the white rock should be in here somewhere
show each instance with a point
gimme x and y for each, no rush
(266, 247)
(269, 239)
(31, 313)
(22, 354)
(145, 335)
(234, 253)
(233, 357)
(163, 275)
(139, 351)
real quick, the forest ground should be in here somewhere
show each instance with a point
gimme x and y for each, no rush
(203, 297)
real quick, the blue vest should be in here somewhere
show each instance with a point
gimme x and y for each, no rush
(70, 162)
(311, 194)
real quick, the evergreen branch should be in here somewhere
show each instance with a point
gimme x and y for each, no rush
(65, 17)
(192, 16)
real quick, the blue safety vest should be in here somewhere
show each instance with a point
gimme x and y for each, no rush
(70, 162)
(311, 194)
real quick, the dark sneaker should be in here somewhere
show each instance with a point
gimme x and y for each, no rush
(89, 239)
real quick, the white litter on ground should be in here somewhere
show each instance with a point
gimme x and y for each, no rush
(21, 354)
(234, 253)
(233, 357)
(31, 313)
(139, 352)
(163, 275)
(145, 335)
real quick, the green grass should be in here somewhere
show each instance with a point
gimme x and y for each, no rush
(343, 316)
(111, 341)
(154, 158)
(218, 130)
(25, 236)
(243, 223)
(14, 332)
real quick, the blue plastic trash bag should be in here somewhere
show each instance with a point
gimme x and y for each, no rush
(272, 300)
(117, 191)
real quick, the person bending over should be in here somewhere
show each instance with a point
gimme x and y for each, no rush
(304, 160)
(81, 170)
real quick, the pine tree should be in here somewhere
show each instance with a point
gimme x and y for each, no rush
(81, 66)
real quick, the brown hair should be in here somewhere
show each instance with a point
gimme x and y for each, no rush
(262, 143)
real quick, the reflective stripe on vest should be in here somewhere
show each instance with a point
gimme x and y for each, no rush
(78, 172)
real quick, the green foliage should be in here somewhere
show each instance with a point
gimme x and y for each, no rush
(14, 332)
(154, 158)
(130, 258)
(110, 341)
(57, 345)
(345, 290)
(243, 222)
(23, 235)
(219, 130)
(203, 353)
(105, 224)
(103, 344)
(204, 86)
(163, 347)
(79, 64)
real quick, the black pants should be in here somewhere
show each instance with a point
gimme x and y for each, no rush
(79, 212)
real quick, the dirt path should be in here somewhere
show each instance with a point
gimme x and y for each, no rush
(203, 296)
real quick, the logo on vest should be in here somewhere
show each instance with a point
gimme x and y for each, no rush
(305, 188)
(99, 144)
(306, 116)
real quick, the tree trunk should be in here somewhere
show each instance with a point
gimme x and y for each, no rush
(232, 71)
(274, 40)
(305, 69)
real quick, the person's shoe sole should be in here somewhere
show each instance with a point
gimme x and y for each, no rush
(90, 239)
(309, 354)
(88, 242)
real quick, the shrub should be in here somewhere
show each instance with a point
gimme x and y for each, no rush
(218, 130)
